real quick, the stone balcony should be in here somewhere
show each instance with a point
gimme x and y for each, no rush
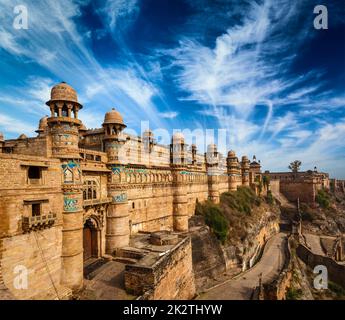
(93, 202)
(38, 222)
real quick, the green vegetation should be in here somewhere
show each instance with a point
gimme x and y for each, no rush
(270, 198)
(215, 219)
(241, 200)
(293, 294)
(323, 199)
(266, 181)
(234, 214)
(337, 289)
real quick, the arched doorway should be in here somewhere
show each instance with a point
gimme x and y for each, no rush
(90, 240)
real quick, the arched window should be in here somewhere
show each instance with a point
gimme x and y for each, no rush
(64, 111)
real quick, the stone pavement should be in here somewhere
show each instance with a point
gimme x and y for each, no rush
(241, 287)
(314, 243)
(108, 284)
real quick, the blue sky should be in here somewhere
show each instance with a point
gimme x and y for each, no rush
(257, 69)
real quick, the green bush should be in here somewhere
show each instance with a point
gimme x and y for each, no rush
(293, 294)
(270, 198)
(241, 200)
(215, 219)
(337, 289)
(323, 199)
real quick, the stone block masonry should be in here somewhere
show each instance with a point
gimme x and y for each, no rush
(80, 193)
(170, 277)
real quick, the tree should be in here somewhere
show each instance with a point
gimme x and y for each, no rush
(295, 166)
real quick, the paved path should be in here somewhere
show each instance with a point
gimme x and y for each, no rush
(241, 287)
(108, 284)
(314, 243)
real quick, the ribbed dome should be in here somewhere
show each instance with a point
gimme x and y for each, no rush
(63, 92)
(22, 136)
(43, 124)
(113, 116)
(178, 137)
(212, 148)
(231, 154)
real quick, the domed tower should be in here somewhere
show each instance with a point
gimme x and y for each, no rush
(113, 126)
(2, 142)
(234, 171)
(63, 128)
(245, 166)
(178, 150)
(178, 168)
(194, 151)
(212, 163)
(148, 140)
(42, 127)
(63, 121)
(255, 171)
(117, 233)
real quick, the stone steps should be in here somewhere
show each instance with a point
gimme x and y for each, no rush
(126, 260)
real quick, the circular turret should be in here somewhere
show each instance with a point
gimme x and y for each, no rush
(113, 117)
(63, 92)
(82, 128)
(43, 124)
(231, 154)
(212, 148)
(178, 138)
(22, 137)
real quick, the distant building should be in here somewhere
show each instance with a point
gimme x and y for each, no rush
(302, 185)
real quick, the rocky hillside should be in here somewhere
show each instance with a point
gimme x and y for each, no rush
(229, 237)
(327, 217)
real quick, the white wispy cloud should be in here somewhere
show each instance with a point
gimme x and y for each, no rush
(168, 114)
(248, 67)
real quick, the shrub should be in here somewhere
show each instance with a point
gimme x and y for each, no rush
(337, 289)
(241, 200)
(323, 199)
(215, 219)
(270, 198)
(293, 294)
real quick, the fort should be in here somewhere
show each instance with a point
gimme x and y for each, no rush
(72, 195)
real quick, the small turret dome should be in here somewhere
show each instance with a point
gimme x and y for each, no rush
(43, 124)
(212, 148)
(114, 117)
(231, 154)
(22, 136)
(178, 137)
(63, 92)
(82, 127)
